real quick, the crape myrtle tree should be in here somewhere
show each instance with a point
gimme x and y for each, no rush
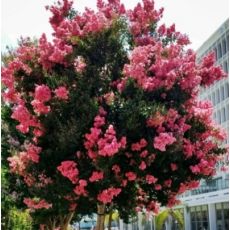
(109, 114)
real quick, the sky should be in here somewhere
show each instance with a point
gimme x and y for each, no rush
(197, 18)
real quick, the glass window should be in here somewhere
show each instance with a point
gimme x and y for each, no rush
(224, 46)
(223, 115)
(227, 42)
(199, 217)
(219, 117)
(218, 96)
(222, 93)
(215, 51)
(213, 98)
(214, 116)
(226, 67)
(226, 90)
(222, 216)
(227, 112)
(219, 50)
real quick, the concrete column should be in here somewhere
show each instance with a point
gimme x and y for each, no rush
(139, 220)
(187, 219)
(121, 224)
(212, 216)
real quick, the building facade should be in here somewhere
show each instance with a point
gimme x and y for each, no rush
(207, 208)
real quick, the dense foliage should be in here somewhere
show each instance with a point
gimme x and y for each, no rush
(109, 113)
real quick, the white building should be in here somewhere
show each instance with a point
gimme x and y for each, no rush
(207, 207)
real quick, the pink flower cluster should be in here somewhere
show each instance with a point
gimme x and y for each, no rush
(208, 72)
(139, 145)
(151, 179)
(18, 163)
(162, 140)
(142, 17)
(42, 95)
(8, 79)
(26, 120)
(131, 176)
(96, 176)
(107, 144)
(69, 169)
(53, 53)
(79, 64)
(33, 152)
(80, 189)
(36, 204)
(107, 195)
(61, 93)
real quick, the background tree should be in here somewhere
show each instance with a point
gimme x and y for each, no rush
(109, 114)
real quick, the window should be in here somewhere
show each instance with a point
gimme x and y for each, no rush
(226, 90)
(214, 116)
(227, 112)
(226, 67)
(199, 217)
(218, 96)
(219, 117)
(224, 46)
(222, 216)
(215, 51)
(219, 50)
(223, 115)
(222, 93)
(213, 98)
(227, 42)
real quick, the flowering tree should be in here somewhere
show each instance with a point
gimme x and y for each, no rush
(109, 113)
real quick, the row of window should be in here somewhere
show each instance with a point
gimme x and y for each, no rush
(222, 47)
(200, 218)
(222, 115)
(225, 66)
(219, 94)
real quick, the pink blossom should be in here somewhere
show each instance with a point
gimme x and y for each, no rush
(162, 140)
(42, 93)
(151, 179)
(109, 98)
(39, 107)
(142, 166)
(33, 152)
(158, 187)
(131, 176)
(79, 64)
(96, 176)
(68, 169)
(195, 169)
(173, 166)
(80, 189)
(168, 183)
(36, 204)
(144, 154)
(107, 195)
(139, 145)
(116, 168)
(61, 93)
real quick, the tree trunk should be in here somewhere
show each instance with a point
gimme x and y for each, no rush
(110, 220)
(65, 221)
(100, 217)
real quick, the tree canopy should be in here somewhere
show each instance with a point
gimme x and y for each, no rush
(108, 113)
